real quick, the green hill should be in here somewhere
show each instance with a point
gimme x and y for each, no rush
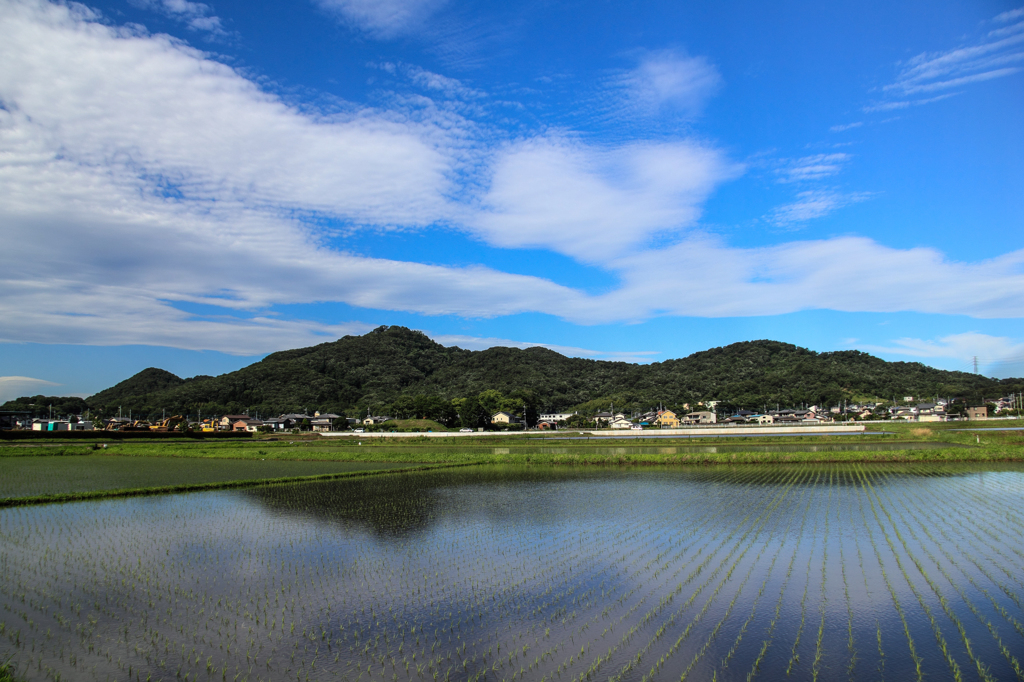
(149, 380)
(402, 373)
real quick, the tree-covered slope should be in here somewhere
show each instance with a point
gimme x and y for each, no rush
(149, 380)
(373, 371)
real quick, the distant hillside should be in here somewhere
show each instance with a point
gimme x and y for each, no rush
(42, 406)
(150, 380)
(403, 372)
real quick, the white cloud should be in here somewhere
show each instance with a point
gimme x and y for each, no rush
(139, 175)
(667, 80)
(959, 346)
(483, 343)
(590, 202)
(710, 279)
(196, 15)
(450, 87)
(998, 356)
(997, 55)
(813, 167)
(383, 18)
(136, 171)
(1010, 15)
(906, 104)
(846, 126)
(16, 387)
(813, 204)
(113, 102)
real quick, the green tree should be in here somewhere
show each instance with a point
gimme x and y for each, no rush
(472, 415)
(490, 401)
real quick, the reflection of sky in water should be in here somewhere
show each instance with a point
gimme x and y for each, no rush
(635, 572)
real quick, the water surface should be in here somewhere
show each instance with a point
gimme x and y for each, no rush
(830, 572)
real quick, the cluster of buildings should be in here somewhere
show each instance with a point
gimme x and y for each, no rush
(910, 410)
(286, 422)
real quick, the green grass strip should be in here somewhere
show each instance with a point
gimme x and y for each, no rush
(221, 485)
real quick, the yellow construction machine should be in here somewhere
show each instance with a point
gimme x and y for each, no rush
(168, 424)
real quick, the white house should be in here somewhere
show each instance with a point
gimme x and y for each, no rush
(620, 422)
(555, 416)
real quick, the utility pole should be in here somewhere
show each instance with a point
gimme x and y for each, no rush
(975, 364)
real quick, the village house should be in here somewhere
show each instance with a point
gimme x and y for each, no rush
(555, 417)
(667, 419)
(293, 420)
(247, 424)
(700, 418)
(226, 423)
(621, 422)
(324, 422)
(740, 417)
(977, 413)
(274, 424)
(504, 418)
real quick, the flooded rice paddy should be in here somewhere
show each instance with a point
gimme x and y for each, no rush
(803, 572)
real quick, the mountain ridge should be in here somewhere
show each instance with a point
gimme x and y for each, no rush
(399, 369)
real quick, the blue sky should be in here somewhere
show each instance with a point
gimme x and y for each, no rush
(192, 186)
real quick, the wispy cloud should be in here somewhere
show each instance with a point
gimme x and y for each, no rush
(813, 167)
(15, 387)
(906, 103)
(665, 81)
(814, 204)
(998, 54)
(846, 126)
(483, 343)
(430, 81)
(196, 15)
(383, 18)
(450, 87)
(997, 355)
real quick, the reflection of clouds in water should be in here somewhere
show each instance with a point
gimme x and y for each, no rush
(478, 560)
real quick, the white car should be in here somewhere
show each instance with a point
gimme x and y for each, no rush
(358, 430)
(465, 430)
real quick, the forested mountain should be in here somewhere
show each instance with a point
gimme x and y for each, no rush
(45, 406)
(150, 380)
(402, 372)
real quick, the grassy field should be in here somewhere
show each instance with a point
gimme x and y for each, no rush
(897, 443)
(69, 470)
(70, 477)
